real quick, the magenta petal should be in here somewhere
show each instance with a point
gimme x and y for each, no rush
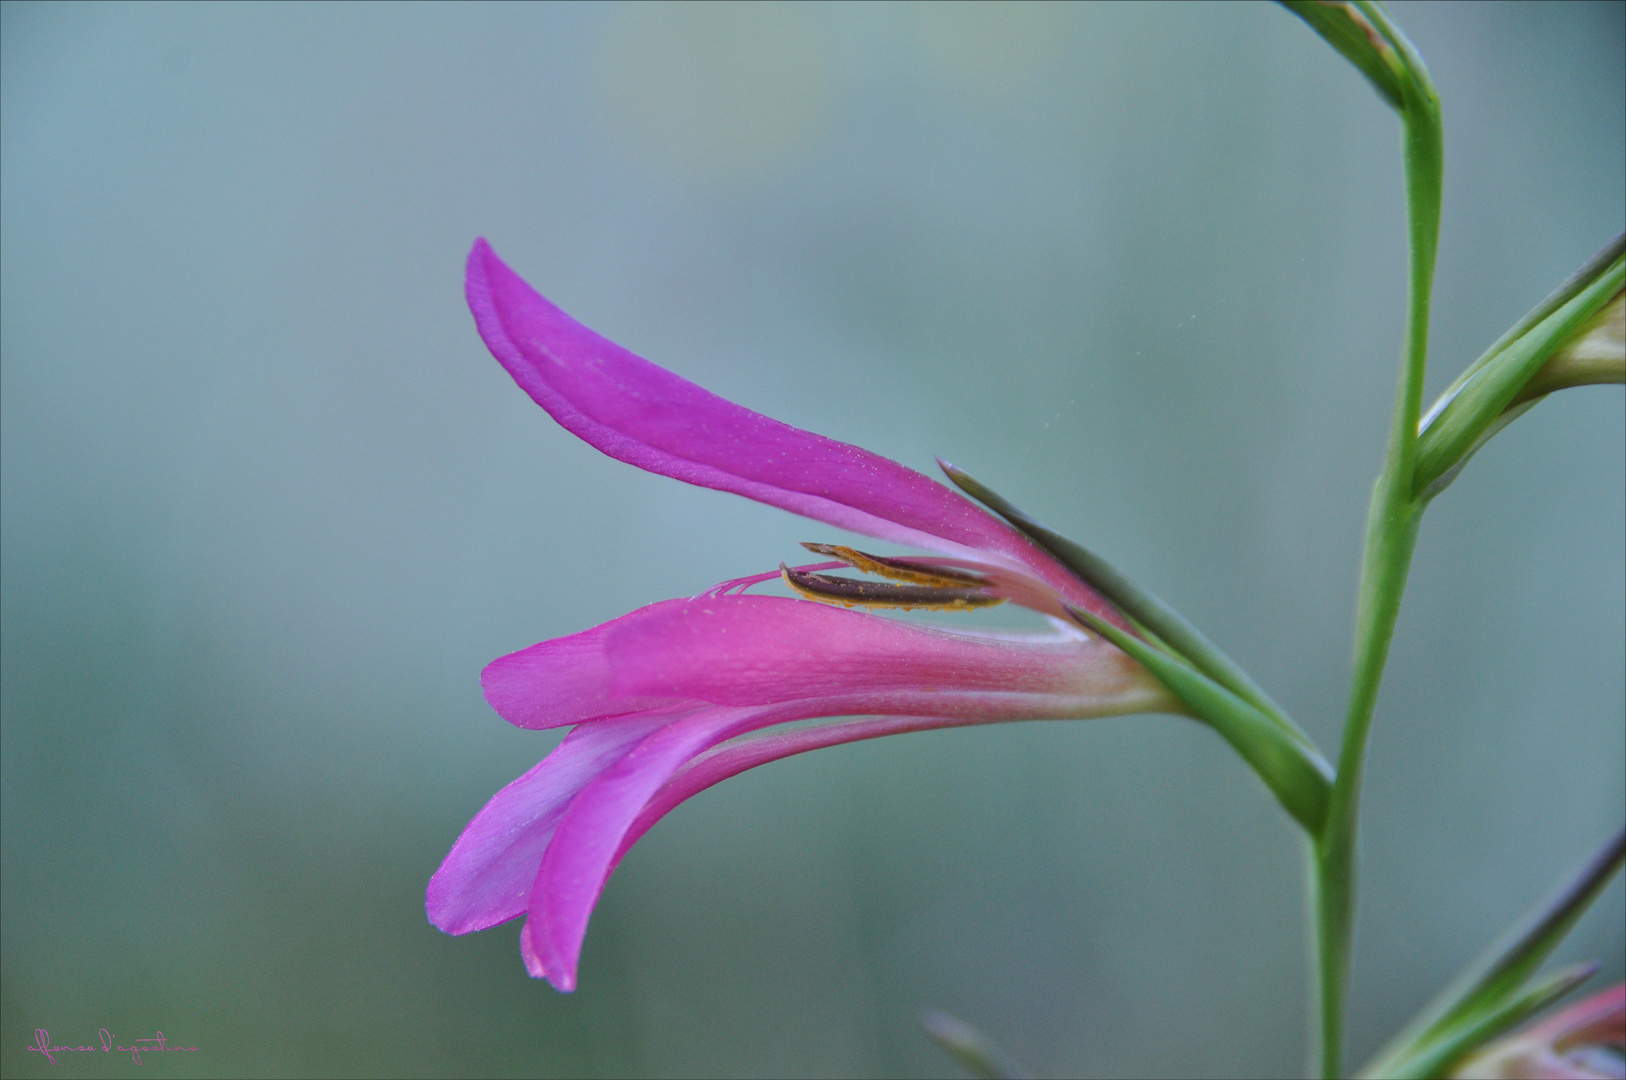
(752, 650)
(487, 877)
(586, 845)
(646, 416)
(563, 681)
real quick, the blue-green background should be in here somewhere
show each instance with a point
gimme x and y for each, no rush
(269, 506)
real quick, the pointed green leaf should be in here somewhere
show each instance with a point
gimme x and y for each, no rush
(971, 1048)
(1169, 626)
(1294, 773)
(1454, 431)
(1347, 30)
(1586, 275)
(1496, 976)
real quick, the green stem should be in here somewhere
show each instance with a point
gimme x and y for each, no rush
(1391, 537)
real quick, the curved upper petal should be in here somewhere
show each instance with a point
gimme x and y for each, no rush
(644, 415)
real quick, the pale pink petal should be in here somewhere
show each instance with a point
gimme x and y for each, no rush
(487, 877)
(751, 650)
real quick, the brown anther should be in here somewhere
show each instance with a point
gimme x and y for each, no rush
(910, 570)
(853, 592)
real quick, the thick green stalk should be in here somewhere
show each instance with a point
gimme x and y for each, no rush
(1391, 537)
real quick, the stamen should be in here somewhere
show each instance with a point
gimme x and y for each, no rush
(850, 592)
(897, 569)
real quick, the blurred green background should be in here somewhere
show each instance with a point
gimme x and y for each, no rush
(269, 507)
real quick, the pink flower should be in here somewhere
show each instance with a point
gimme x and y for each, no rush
(660, 697)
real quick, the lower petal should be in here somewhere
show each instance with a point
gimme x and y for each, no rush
(587, 843)
(488, 874)
(621, 804)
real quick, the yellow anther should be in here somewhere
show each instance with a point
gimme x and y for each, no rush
(898, 569)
